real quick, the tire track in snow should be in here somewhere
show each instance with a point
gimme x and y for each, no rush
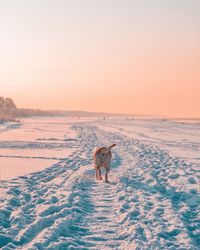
(63, 207)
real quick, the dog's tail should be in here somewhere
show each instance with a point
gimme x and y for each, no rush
(106, 150)
(111, 146)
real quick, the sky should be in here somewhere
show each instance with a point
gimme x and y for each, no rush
(121, 56)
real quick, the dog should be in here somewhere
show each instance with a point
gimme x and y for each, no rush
(102, 158)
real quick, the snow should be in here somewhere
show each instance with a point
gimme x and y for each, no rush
(51, 200)
(33, 145)
(10, 168)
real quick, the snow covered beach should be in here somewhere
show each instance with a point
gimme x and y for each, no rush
(50, 199)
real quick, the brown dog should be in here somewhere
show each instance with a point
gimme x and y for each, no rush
(102, 158)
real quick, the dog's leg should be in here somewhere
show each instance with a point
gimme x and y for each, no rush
(100, 177)
(96, 173)
(106, 176)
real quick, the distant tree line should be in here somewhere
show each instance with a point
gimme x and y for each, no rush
(7, 103)
(7, 109)
(10, 112)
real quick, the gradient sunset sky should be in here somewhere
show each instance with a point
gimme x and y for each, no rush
(127, 56)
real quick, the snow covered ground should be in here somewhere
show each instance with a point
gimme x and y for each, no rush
(50, 199)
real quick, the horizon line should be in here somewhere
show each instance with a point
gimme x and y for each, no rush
(116, 113)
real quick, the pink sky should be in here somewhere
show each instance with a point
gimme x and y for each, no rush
(140, 57)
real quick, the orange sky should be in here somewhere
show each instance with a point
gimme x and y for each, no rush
(140, 57)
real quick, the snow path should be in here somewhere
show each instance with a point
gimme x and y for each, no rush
(152, 201)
